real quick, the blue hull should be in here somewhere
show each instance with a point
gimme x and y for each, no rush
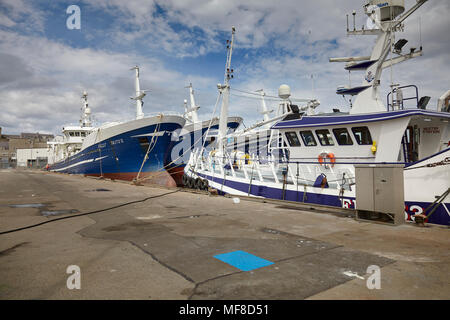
(176, 162)
(440, 216)
(121, 156)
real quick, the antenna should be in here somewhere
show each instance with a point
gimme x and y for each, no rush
(140, 94)
(420, 32)
(264, 111)
(225, 90)
(85, 120)
(191, 113)
(354, 20)
(347, 24)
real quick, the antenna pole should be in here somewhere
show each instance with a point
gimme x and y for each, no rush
(193, 112)
(420, 32)
(225, 90)
(347, 24)
(139, 95)
(86, 112)
(265, 111)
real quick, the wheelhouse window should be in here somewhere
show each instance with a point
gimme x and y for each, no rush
(325, 138)
(308, 138)
(292, 139)
(72, 134)
(77, 133)
(362, 135)
(342, 137)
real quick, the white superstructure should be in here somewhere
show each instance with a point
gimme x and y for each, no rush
(312, 158)
(71, 140)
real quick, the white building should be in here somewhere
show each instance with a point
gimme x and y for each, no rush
(32, 157)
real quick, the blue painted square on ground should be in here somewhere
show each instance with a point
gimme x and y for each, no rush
(243, 260)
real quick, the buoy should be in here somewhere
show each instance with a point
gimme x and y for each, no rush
(325, 155)
(332, 158)
(374, 147)
(322, 157)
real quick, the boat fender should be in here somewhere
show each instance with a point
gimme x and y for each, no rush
(246, 158)
(184, 180)
(321, 181)
(374, 147)
(198, 183)
(205, 184)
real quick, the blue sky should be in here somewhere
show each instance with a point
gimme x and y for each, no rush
(45, 66)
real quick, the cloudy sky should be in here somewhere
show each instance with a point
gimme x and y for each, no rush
(44, 66)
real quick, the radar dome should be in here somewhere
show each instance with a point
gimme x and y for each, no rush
(388, 8)
(284, 91)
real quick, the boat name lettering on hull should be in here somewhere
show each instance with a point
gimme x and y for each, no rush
(113, 142)
(431, 130)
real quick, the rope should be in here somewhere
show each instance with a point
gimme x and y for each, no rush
(160, 171)
(276, 98)
(87, 213)
(152, 146)
(437, 203)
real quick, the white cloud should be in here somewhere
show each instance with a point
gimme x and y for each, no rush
(277, 42)
(21, 14)
(48, 94)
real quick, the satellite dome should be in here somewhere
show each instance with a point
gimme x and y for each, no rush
(284, 91)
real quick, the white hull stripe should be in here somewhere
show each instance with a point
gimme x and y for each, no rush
(156, 134)
(78, 163)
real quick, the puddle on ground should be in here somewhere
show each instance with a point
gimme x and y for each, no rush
(27, 205)
(47, 213)
(99, 189)
(43, 208)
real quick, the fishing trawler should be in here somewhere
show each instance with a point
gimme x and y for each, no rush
(72, 137)
(319, 152)
(195, 134)
(255, 141)
(129, 150)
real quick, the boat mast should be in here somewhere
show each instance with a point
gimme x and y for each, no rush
(191, 113)
(387, 18)
(264, 111)
(225, 90)
(139, 95)
(85, 120)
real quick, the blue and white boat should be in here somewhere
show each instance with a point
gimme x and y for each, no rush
(129, 150)
(195, 134)
(312, 158)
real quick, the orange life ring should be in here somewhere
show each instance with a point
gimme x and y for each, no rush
(330, 156)
(321, 157)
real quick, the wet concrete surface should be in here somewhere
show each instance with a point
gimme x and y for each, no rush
(164, 248)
